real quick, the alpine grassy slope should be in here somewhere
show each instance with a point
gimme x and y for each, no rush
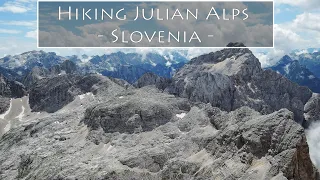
(220, 117)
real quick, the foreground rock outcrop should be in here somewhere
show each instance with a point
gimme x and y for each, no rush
(146, 134)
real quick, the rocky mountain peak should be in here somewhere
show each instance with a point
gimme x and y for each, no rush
(219, 56)
(285, 60)
(232, 78)
(239, 63)
(236, 44)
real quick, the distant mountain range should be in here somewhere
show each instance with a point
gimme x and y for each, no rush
(297, 71)
(300, 66)
(127, 66)
(310, 60)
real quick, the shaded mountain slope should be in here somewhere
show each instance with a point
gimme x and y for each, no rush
(294, 71)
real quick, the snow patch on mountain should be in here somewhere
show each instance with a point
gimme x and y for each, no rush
(182, 115)
(286, 69)
(311, 77)
(21, 115)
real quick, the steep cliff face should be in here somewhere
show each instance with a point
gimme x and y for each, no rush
(152, 79)
(37, 73)
(232, 78)
(4, 104)
(10, 89)
(52, 94)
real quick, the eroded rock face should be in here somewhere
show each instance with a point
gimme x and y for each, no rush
(39, 72)
(11, 89)
(276, 138)
(69, 67)
(4, 104)
(35, 75)
(152, 79)
(232, 78)
(51, 94)
(312, 109)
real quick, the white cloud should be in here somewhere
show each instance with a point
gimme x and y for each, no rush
(307, 21)
(269, 57)
(18, 6)
(307, 4)
(287, 39)
(13, 8)
(297, 34)
(31, 24)
(9, 31)
(32, 34)
(313, 137)
(15, 45)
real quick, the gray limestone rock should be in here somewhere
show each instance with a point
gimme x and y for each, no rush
(4, 104)
(136, 109)
(152, 79)
(11, 89)
(51, 94)
(312, 109)
(176, 139)
(232, 78)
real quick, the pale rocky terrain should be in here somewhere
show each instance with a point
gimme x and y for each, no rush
(221, 117)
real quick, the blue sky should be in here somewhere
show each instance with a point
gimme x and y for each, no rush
(296, 27)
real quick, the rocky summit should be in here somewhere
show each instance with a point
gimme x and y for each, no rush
(221, 117)
(232, 78)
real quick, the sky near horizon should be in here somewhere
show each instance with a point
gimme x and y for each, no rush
(296, 27)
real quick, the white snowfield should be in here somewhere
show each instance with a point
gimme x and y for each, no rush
(20, 111)
(181, 115)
